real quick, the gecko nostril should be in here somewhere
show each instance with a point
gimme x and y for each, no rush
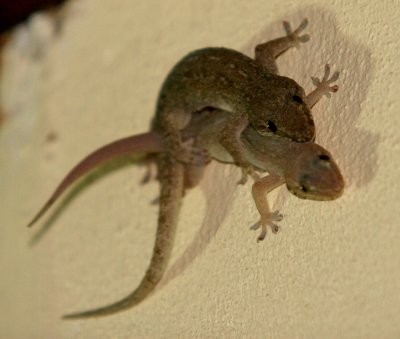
(304, 188)
(305, 183)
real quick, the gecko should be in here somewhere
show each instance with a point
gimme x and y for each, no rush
(250, 89)
(308, 170)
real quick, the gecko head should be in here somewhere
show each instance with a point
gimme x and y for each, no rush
(315, 175)
(282, 110)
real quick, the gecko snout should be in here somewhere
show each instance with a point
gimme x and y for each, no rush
(318, 179)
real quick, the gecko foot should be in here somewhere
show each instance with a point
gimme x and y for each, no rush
(151, 173)
(191, 155)
(324, 85)
(295, 35)
(265, 221)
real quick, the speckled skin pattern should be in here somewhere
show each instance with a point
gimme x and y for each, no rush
(227, 79)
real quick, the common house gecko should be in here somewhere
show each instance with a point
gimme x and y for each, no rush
(305, 167)
(249, 88)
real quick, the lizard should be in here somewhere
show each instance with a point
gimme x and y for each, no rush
(307, 169)
(250, 89)
(322, 179)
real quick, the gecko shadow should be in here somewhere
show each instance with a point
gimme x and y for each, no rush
(336, 119)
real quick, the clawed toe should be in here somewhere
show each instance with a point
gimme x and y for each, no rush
(325, 83)
(255, 226)
(276, 216)
(294, 35)
(265, 222)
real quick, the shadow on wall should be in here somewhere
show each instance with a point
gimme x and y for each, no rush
(354, 149)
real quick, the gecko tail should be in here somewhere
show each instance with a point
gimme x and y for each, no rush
(172, 186)
(131, 300)
(150, 142)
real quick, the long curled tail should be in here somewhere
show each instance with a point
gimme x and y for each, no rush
(150, 142)
(172, 186)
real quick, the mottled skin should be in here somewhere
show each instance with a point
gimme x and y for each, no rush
(250, 89)
(307, 169)
(227, 79)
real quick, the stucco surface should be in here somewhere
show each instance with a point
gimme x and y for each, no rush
(334, 269)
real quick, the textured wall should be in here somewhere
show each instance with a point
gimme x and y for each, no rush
(333, 271)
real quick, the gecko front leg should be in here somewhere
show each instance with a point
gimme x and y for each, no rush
(324, 87)
(230, 139)
(266, 53)
(260, 190)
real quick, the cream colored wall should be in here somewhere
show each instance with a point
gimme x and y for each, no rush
(332, 272)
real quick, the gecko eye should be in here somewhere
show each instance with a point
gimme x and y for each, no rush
(323, 157)
(297, 99)
(271, 126)
(268, 127)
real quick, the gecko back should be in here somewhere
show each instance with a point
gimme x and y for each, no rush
(226, 79)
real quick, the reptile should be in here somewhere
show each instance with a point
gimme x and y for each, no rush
(250, 89)
(277, 139)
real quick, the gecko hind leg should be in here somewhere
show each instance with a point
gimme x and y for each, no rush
(266, 53)
(151, 171)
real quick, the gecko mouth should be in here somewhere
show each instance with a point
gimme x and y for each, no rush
(306, 192)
